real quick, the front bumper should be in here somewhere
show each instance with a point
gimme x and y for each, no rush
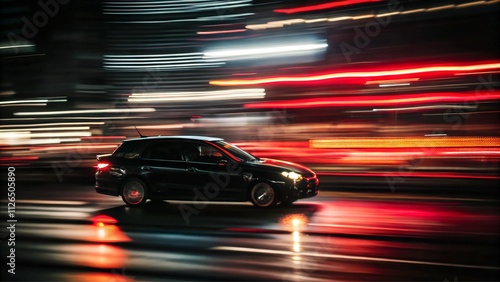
(305, 188)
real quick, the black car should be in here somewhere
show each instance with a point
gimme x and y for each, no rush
(197, 168)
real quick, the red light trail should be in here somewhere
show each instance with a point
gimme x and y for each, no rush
(324, 6)
(377, 101)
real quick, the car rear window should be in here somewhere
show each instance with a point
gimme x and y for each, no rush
(128, 150)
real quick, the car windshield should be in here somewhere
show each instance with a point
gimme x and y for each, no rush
(237, 152)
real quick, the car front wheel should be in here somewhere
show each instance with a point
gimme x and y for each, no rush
(263, 195)
(134, 192)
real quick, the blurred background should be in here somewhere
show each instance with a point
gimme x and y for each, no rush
(398, 95)
(352, 87)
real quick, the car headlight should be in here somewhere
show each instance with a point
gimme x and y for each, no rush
(292, 175)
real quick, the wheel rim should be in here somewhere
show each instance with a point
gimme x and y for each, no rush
(263, 194)
(133, 192)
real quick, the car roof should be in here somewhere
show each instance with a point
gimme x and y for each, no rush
(183, 137)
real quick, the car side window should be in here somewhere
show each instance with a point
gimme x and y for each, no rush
(163, 151)
(201, 153)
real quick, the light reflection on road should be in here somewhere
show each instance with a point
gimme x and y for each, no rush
(335, 237)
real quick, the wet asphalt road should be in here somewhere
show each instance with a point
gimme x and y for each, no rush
(67, 232)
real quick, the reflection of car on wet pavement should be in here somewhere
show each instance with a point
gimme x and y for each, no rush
(199, 168)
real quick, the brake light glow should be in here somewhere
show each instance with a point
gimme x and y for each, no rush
(102, 165)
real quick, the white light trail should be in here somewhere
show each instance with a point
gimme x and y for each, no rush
(350, 257)
(49, 129)
(234, 94)
(235, 54)
(109, 111)
(170, 7)
(159, 61)
(17, 46)
(52, 124)
(31, 101)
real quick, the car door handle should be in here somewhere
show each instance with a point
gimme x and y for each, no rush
(146, 168)
(192, 169)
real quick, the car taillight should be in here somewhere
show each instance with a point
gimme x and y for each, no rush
(102, 165)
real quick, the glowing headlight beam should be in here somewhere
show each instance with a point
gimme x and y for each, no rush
(292, 175)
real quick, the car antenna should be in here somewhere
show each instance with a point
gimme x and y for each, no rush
(142, 136)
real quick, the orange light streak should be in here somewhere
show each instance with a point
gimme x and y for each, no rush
(392, 81)
(406, 142)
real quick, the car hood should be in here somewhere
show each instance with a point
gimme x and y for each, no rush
(286, 166)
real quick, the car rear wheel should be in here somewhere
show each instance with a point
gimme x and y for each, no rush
(263, 195)
(134, 192)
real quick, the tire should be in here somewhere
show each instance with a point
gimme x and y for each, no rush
(134, 192)
(263, 195)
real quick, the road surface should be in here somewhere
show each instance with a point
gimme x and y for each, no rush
(67, 232)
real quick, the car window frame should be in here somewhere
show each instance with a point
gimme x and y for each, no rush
(208, 144)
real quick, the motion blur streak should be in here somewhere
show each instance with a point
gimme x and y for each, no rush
(433, 71)
(264, 51)
(99, 255)
(21, 135)
(407, 142)
(168, 7)
(333, 256)
(17, 46)
(279, 24)
(22, 140)
(221, 31)
(157, 62)
(53, 124)
(324, 6)
(97, 277)
(48, 128)
(96, 146)
(386, 174)
(384, 100)
(392, 81)
(95, 111)
(255, 93)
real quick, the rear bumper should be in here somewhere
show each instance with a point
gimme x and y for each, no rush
(106, 184)
(106, 191)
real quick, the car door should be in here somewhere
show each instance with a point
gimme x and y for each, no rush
(165, 170)
(212, 175)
